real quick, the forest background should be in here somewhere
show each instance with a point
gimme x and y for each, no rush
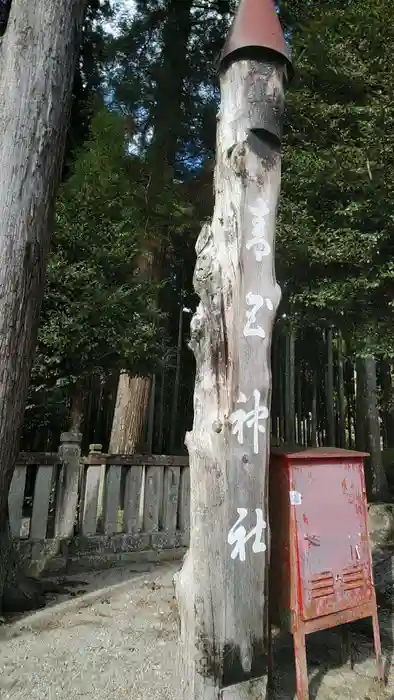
(112, 359)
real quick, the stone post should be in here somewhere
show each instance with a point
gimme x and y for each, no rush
(67, 492)
(93, 497)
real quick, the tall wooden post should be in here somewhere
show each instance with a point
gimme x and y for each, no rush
(222, 589)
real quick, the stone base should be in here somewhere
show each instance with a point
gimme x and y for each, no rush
(381, 524)
(102, 551)
(251, 690)
(60, 556)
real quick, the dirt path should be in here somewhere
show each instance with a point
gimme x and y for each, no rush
(118, 640)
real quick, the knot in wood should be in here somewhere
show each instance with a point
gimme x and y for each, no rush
(217, 426)
(204, 239)
(203, 267)
(197, 323)
(237, 156)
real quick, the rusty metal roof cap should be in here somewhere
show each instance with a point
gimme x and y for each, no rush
(318, 453)
(256, 25)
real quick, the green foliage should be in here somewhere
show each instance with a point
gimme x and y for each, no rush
(335, 238)
(164, 74)
(116, 210)
(99, 312)
(88, 78)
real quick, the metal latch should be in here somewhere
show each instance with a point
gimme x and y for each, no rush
(313, 539)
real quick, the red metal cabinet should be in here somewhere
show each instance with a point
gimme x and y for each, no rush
(321, 566)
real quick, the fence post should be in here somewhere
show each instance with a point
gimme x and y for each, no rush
(67, 493)
(93, 492)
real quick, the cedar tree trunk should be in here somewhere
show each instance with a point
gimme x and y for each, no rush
(37, 63)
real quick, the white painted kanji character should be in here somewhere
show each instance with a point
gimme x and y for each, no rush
(252, 419)
(262, 248)
(256, 302)
(238, 538)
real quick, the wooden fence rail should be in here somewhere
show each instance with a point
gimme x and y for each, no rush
(139, 494)
(134, 497)
(31, 497)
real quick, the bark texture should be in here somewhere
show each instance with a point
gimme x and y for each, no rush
(132, 396)
(130, 411)
(77, 408)
(37, 63)
(222, 588)
(167, 125)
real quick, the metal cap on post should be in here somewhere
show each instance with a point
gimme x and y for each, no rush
(257, 25)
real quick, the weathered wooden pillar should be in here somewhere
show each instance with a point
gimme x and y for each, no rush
(222, 589)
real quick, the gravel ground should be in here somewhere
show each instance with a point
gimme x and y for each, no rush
(118, 640)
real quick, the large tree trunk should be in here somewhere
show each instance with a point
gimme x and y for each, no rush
(37, 63)
(222, 589)
(132, 396)
(167, 116)
(77, 407)
(130, 412)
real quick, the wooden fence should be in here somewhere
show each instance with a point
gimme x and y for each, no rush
(31, 497)
(139, 494)
(128, 507)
